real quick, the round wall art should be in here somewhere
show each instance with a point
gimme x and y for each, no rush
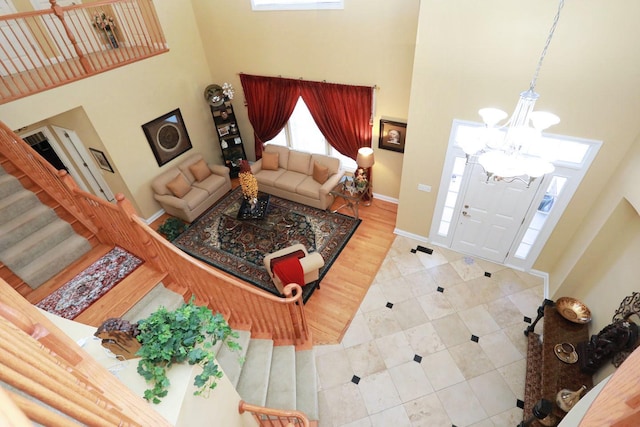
(167, 136)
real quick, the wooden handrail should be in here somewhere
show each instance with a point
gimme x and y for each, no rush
(274, 417)
(30, 163)
(48, 48)
(38, 371)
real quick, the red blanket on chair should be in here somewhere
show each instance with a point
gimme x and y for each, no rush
(289, 270)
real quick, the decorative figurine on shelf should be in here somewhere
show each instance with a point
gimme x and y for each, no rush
(619, 336)
(630, 306)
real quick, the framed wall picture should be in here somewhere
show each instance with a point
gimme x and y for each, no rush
(101, 159)
(392, 135)
(167, 136)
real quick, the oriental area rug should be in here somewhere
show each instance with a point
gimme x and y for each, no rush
(238, 247)
(88, 286)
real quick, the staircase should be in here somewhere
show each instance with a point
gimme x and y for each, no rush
(273, 376)
(42, 246)
(35, 243)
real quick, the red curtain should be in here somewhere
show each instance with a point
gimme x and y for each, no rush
(342, 113)
(270, 102)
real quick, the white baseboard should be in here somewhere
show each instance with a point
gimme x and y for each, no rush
(154, 216)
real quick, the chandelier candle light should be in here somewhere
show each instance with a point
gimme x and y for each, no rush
(505, 152)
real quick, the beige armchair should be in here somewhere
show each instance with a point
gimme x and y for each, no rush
(311, 264)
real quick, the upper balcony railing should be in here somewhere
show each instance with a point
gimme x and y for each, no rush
(43, 49)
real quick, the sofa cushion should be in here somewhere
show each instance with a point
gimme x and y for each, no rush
(179, 186)
(210, 184)
(299, 162)
(200, 170)
(283, 154)
(309, 187)
(290, 180)
(195, 197)
(267, 177)
(320, 173)
(333, 163)
(270, 161)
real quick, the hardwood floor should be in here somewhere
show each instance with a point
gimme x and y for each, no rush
(332, 307)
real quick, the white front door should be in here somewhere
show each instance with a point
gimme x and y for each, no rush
(490, 215)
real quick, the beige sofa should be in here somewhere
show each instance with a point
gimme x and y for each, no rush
(298, 176)
(187, 190)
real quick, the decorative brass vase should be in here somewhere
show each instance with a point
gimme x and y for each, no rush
(566, 399)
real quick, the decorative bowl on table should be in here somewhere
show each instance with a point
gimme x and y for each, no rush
(573, 310)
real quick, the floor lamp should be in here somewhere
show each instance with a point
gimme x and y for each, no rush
(365, 160)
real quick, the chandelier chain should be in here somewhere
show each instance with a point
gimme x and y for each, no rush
(534, 80)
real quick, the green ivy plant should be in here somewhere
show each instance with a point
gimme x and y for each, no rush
(172, 228)
(186, 334)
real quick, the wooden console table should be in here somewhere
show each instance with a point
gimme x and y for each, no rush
(546, 373)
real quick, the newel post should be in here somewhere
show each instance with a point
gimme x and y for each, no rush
(57, 10)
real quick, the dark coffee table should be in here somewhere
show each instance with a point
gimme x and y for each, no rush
(260, 211)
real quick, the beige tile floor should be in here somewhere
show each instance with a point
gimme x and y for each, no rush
(410, 344)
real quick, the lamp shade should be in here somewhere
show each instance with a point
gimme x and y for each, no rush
(365, 157)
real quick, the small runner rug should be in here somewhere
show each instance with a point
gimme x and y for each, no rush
(88, 286)
(239, 246)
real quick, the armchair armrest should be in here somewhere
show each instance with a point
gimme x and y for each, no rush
(219, 170)
(331, 182)
(256, 167)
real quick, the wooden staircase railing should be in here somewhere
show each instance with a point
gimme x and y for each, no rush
(30, 163)
(48, 48)
(269, 417)
(43, 365)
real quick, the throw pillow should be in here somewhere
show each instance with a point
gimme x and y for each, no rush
(179, 186)
(200, 170)
(270, 161)
(320, 173)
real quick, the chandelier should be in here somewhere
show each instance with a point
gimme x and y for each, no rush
(506, 152)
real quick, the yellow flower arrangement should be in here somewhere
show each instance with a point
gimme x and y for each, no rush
(248, 182)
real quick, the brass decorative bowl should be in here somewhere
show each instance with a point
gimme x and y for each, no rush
(573, 310)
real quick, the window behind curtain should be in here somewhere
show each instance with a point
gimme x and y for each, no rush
(302, 133)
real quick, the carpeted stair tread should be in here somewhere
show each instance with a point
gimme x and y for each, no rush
(16, 204)
(282, 379)
(18, 228)
(54, 261)
(158, 297)
(9, 184)
(34, 245)
(231, 361)
(254, 379)
(307, 384)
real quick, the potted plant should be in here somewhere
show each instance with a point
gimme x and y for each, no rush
(186, 334)
(172, 228)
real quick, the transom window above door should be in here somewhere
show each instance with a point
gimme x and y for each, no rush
(296, 4)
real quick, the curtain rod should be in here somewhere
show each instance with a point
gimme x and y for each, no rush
(375, 86)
